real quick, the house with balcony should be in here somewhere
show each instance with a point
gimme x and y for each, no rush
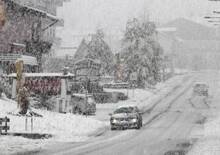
(25, 35)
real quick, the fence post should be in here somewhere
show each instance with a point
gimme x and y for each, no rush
(0, 127)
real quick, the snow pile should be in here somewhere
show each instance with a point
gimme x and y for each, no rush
(209, 144)
(64, 127)
(13, 145)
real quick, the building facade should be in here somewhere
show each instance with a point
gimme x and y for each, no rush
(29, 29)
(50, 7)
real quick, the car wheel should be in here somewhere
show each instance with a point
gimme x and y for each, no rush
(112, 128)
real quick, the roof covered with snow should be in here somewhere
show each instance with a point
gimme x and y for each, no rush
(43, 75)
(81, 95)
(33, 9)
(127, 106)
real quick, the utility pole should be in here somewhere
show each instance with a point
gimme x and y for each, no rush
(2, 14)
(19, 84)
(86, 95)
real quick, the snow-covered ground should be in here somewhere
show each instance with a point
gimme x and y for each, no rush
(209, 144)
(180, 71)
(63, 127)
(209, 139)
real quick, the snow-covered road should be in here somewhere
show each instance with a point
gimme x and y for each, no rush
(209, 142)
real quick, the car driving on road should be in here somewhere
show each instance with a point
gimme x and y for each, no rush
(126, 117)
(201, 89)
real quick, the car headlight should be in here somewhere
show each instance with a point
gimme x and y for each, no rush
(134, 120)
(113, 120)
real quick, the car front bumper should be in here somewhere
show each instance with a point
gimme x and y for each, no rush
(124, 125)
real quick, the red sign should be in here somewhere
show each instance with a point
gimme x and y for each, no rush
(49, 86)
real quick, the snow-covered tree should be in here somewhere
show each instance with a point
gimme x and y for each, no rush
(141, 51)
(102, 52)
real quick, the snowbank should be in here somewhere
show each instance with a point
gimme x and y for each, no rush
(63, 127)
(60, 125)
(210, 141)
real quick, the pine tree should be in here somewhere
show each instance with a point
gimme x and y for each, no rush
(102, 52)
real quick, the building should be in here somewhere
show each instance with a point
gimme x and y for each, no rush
(194, 46)
(50, 7)
(198, 54)
(28, 30)
(87, 69)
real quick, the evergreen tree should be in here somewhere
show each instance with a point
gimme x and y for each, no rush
(102, 52)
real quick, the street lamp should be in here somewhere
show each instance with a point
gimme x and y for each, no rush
(2, 14)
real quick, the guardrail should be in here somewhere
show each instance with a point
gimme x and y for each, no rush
(4, 127)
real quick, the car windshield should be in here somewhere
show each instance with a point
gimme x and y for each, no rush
(201, 85)
(90, 100)
(124, 110)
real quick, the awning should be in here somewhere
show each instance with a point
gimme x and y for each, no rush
(60, 75)
(30, 9)
(43, 13)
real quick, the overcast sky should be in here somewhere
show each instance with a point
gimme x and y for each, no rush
(84, 16)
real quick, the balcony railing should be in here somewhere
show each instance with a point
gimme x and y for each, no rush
(10, 57)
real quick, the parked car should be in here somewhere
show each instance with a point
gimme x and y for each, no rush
(126, 117)
(121, 96)
(109, 97)
(201, 89)
(83, 104)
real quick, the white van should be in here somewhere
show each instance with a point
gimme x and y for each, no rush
(82, 104)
